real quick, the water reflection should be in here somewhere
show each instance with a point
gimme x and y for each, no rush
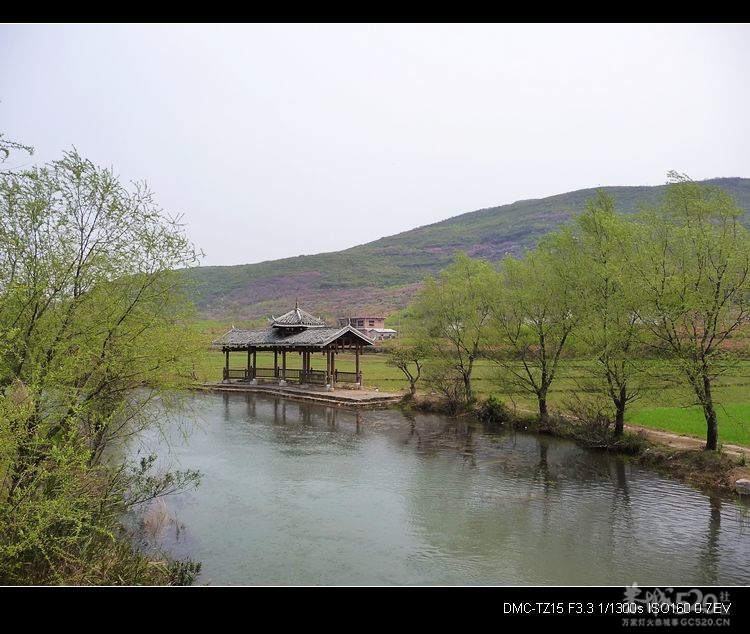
(710, 556)
(251, 410)
(296, 493)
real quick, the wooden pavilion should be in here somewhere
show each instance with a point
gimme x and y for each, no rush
(296, 331)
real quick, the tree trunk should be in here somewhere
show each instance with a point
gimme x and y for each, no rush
(619, 421)
(712, 425)
(467, 386)
(620, 411)
(543, 413)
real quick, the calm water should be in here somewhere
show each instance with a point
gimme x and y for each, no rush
(295, 493)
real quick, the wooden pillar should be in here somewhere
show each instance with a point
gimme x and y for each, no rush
(275, 363)
(328, 367)
(255, 362)
(248, 374)
(283, 367)
(226, 365)
(356, 365)
(333, 367)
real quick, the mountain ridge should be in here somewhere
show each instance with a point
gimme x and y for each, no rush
(382, 276)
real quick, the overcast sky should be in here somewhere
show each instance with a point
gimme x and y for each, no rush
(281, 140)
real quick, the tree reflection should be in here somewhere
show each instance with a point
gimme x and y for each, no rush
(709, 558)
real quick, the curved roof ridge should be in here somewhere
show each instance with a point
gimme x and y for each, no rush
(297, 318)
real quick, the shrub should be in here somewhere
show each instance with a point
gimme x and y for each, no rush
(494, 411)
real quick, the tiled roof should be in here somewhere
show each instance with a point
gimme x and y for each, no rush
(297, 317)
(316, 337)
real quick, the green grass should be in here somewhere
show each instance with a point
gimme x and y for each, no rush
(734, 421)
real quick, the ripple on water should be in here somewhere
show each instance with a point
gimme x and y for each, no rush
(295, 493)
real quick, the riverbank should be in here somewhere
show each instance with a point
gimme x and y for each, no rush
(710, 471)
(686, 457)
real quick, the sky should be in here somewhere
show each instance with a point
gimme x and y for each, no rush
(275, 140)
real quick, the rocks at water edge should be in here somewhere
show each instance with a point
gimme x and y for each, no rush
(742, 486)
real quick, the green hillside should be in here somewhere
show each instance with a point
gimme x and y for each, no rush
(381, 276)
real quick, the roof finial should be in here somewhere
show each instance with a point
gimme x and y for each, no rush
(296, 304)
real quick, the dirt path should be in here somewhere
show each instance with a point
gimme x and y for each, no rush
(684, 442)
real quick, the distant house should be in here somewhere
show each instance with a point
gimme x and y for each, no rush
(378, 334)
(372, 327)
(360, 323)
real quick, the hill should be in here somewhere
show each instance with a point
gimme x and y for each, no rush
(382, 276)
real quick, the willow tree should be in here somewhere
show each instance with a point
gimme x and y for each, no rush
(534, 313)
(7, 146)
(452, 318)
(692, 269)
(605, 301)
(90, 309)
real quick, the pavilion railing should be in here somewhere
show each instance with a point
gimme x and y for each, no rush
(314, 377)
(234, 373)
(268, 373)
(347, 377)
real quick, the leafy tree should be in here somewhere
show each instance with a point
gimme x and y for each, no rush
(90, 308)
(604, 300)
(692, 269)
(533, 315)
(452, 313)
(410, 360)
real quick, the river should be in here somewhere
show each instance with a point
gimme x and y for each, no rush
(302, 494)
